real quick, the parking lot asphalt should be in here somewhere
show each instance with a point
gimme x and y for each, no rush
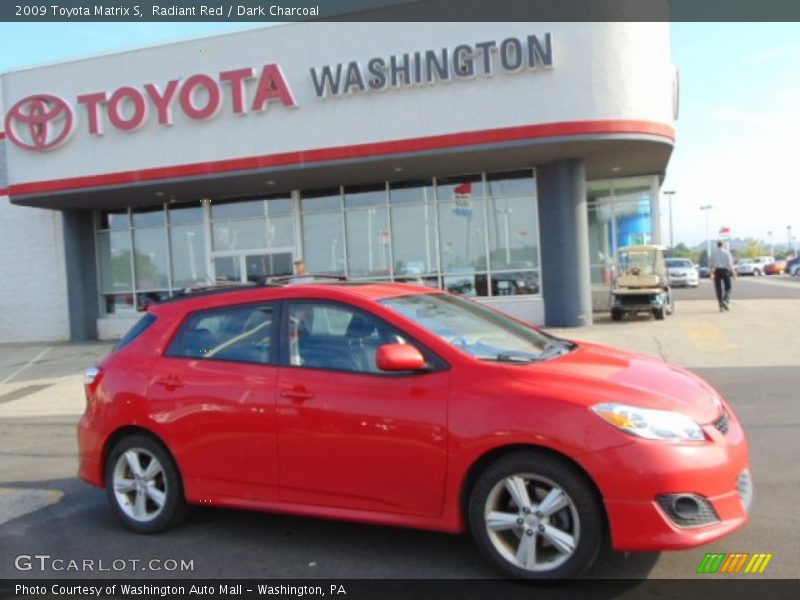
(749, 355)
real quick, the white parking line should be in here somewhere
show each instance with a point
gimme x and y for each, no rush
(26, 365)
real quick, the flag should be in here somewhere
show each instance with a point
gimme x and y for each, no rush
(462, 194)
(463, 191)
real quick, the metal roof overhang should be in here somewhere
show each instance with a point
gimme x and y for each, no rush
(605, 155)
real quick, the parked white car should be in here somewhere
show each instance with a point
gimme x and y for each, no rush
(749, 267)
(682, 272)
(761, 262)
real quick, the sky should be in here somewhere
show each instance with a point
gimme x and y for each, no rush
(737, 133)
(738, 130)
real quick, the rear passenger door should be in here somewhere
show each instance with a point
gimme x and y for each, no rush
(350, 435)
(214, 391)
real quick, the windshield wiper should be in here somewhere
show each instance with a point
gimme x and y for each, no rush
(509, 358)
(555, 348)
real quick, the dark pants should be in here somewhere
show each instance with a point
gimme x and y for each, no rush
(722, 278)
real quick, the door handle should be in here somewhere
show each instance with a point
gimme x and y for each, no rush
(297, 395)
(169, 381)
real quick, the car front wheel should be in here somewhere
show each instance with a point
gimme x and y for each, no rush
(143, 485)
(536, 517)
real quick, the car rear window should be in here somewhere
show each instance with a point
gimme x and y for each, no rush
(135, 331)
(234, 333)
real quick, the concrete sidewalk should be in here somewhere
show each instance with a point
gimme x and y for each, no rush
(40, 380)
(754, 333)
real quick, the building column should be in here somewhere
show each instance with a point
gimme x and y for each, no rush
(564, 243)
(81, 267)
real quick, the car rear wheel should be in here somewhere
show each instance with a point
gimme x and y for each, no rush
(536, 517)
(143, 485)
(616, 315)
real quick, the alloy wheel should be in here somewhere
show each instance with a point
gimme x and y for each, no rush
(532, 522)
(140, 485)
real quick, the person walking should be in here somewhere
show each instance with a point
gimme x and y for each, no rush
(721, 265)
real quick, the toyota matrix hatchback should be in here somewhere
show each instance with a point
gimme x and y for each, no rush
(403, 405)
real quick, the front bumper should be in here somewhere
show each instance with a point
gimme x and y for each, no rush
(633, 476)
(643, 526)
(677, 280)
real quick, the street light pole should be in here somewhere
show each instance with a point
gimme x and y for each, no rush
(788, 238)
(705, 209)
(771, 247)
(669, 194)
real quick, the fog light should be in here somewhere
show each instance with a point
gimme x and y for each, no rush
(686, 507)
(688, 510)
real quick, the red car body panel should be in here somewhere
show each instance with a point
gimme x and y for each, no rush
(363, 441)
(400, 450)
(776, 268)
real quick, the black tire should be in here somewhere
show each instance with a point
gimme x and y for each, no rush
(616, 315)
(582, 519)
(166, 485)
(659, 313)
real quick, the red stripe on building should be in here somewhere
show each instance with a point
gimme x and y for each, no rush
(436, 142)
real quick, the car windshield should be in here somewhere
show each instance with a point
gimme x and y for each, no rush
(478, 330)
(679, 262)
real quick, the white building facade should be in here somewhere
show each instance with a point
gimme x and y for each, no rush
(503, 161)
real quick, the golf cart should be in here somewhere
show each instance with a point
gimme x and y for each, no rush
(642, 283)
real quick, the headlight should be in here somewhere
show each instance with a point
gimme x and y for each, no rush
(650, 424)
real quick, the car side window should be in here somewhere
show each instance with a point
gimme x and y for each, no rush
(235, 333)
(337, 337)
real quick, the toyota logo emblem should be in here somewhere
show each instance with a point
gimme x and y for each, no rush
(41, 122)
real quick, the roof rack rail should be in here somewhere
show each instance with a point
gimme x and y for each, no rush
(299, 279)
(206, 290)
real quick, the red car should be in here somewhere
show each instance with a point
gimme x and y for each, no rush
(403, 405)
(776, 268)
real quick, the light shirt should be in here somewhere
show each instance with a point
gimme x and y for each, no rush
(721, 259)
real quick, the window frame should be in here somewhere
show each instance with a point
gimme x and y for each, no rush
(189, 316)
(434, 362)
(135, 332)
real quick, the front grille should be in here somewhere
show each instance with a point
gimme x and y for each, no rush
(634, 299)
(688, 510)
(722, 424)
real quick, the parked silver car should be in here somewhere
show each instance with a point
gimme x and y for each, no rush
(682, 272)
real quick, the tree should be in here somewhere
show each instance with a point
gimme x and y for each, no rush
(683, 251)
(752, 249)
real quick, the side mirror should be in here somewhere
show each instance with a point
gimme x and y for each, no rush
(399, 357)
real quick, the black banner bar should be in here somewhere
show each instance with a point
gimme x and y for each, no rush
(737, 588)
(396, 10)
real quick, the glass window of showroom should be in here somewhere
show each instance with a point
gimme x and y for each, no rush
(621, 213)
(475, 234)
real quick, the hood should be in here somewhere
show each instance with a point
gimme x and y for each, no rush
(607, 374)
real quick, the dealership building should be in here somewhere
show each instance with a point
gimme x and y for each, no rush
(502, 161)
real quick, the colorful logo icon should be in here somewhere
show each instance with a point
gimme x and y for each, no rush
(41, 122)
(741, 562)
